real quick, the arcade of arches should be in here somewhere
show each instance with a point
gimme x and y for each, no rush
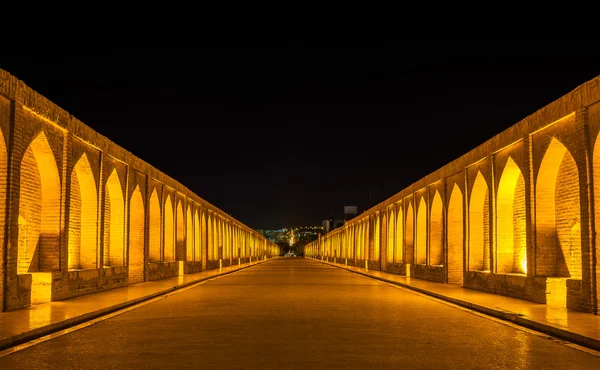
(84, 215)
(516, 216)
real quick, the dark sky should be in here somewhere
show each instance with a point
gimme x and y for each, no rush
(286, 133)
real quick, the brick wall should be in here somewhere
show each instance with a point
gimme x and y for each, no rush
(530, 233)
(68, 192)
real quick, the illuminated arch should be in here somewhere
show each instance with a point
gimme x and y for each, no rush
(114, 222)
(390, 237)
(359, 240)
(436, 249)
(83, 217)
(455, 236)
(180, 243)
(217, 238)
(511, 256)
(154, 229)
(479, 247)
(410, 225)
(136, 237)
(421, 245)
(3, 172)
(189, 235)
(557, 214)
(211, 238)
(197, 238)
(378, 236)
(39, 209)
(352, 241)
(399, 243)
(169, 242)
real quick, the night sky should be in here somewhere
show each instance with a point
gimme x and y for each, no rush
(287, 133)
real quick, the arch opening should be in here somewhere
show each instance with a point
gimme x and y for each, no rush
(39, 209)
(455, 237)
(154, 229)
(479, 222)
(197, 238)
(83, 218)
(436, 249)
(169, 236)
(136, 237)
(114, 222)
(557, 210)
(409, 245)
(511, 250)
(421, 245)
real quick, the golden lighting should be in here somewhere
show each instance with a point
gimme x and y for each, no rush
(83, 217)
(436, 254)
(44, 118)
(399, 244)
(421, 245)
(136, 237)
(39, 209)
(41, 287)
(169, 245)
(455, 236)
(557, 235)
(478, 215)
(114, 214)
(197, 248)
(390, 237)
(180, 243)
(154, 228)
(511, 222)
(189, 235)
(409, 228)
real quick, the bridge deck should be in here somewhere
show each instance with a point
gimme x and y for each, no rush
(294, 313)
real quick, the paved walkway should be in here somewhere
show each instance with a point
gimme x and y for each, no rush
(30, 323)
(26, 324)
(575, 327)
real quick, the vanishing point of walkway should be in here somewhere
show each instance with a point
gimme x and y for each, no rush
(301, 314)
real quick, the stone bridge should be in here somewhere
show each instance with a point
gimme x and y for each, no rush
(516, 216)
(81, 214)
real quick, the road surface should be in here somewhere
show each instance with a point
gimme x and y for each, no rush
(293, 313)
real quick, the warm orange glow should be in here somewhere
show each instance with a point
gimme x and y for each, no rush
(169, 242)
(154, 229)
(136, 237)
(399, 242)
(47, 120)
(511, 256)
(455, 236)
(409, 238)
(189, 235)
(211, 238)
(219, 246)
(436, 251)
(390, 238)
(377, 238)
(197, 238)
(180, 243)
(479, 255)
(39, 209)
(41, 287)
(558, 234)
(421, 245)
(114, 222)
(83, 217)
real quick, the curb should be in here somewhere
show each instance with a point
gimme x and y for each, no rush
(30, 335)
(499, 313)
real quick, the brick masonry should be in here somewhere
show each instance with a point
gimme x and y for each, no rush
(82, 214)
(518, 213)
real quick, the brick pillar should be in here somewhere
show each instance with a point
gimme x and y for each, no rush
(590, 271)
